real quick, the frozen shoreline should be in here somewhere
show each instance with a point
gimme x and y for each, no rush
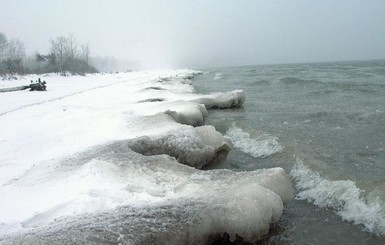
(97, 145)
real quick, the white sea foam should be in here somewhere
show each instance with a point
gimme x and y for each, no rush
(218, 76)
(261, 147)
(343, 196)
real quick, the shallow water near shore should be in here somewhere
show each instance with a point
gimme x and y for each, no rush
(325, 125)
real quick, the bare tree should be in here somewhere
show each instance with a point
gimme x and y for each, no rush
(85, 53)
(60, 49)
(72, 46)
(65, 55)
(3, 46)
(13, 58)
(15, 50)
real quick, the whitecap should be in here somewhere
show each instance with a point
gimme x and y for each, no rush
(218, 76)
(343, 196)
(260, 147)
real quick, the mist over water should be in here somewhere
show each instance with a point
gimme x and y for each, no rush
(180, 34)
(329, 120)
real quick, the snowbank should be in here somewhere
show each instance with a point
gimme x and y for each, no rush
(110, 146)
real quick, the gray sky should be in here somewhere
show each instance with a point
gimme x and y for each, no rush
(199, 33)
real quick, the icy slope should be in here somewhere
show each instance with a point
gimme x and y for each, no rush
(102, 145)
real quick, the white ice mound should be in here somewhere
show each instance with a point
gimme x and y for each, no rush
(187, 113)
(184, 112)
(260, 147)
(234, 98)
(196, 147)
(136, 199)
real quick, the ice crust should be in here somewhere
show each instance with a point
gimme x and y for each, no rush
(97, 157)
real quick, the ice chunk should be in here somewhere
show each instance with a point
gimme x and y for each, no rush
(234, 98)
(185, 112)
(196, 147)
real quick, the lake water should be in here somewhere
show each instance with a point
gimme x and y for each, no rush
(324, 123)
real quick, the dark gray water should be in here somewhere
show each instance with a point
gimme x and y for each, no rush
(325, 125)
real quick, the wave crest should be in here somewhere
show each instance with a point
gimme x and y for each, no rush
(260, 147)
(343, 196)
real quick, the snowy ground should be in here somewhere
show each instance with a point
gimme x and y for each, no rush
(112, 146)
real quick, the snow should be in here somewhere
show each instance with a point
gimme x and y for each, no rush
(107, 143)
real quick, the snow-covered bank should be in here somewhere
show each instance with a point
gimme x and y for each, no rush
(92, 146)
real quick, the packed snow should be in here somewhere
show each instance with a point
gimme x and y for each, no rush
(116, 158)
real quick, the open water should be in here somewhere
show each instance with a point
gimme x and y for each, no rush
(324, 123)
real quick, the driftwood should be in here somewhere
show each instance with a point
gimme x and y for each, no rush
(34, 86)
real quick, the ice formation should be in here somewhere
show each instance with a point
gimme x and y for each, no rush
(234, 98)
(195, 147)
(114, 184)
(98, 159)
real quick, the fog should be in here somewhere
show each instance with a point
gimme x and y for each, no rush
(201, 33)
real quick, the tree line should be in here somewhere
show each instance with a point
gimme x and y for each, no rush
(65, 56)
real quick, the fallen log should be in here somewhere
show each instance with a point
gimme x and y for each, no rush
(34, 86)
(3, 90)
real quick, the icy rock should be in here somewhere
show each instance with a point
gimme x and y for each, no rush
(187, 113)
(196, 147)
(231, 99)
(193, 118)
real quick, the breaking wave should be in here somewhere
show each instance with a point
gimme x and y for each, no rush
(343, 196)
(218, 76)
(260, 147)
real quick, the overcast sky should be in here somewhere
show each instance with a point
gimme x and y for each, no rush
(199, 33)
